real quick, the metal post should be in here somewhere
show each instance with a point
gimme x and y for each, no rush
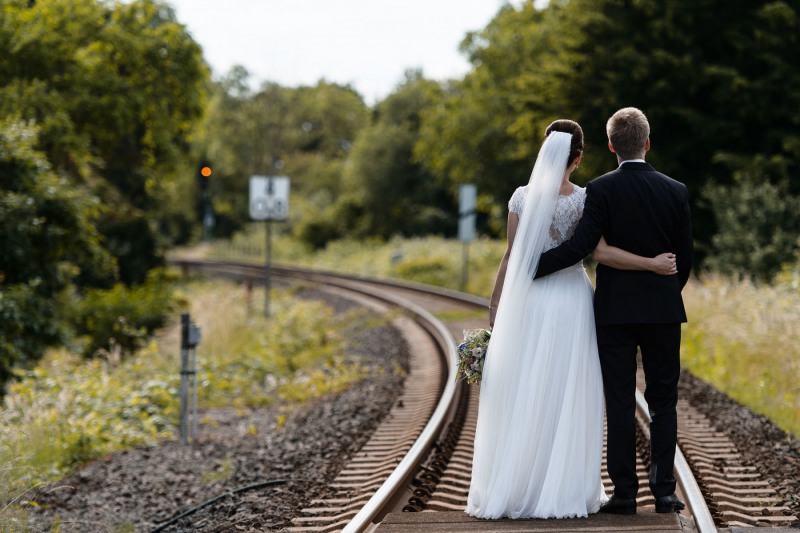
(193, 379)
(190, 338)
(464, 266)
(184, 392)
(249, 296)
(267, 267)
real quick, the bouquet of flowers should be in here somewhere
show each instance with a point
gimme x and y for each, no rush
(472, 354)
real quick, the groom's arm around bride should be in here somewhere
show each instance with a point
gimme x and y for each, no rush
(643, 212)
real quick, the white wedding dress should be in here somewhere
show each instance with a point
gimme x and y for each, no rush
(539, 436)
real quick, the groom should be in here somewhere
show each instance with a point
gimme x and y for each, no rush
(644, 212)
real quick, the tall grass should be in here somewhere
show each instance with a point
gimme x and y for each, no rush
(69, 410)
(432, 260)
(742, 337)
(745, 339)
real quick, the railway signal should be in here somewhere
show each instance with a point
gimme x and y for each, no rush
(204, 172)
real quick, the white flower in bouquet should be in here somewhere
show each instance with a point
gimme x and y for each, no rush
(472, 354)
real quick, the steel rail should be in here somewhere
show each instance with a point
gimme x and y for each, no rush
(405, 470)
(313, 273)
(704, 523)
(401, 475)
(398, 479)
(691, 490)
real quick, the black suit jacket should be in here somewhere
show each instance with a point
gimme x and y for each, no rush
(644, 212)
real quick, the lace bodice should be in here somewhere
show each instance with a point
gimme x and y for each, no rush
(565, 218)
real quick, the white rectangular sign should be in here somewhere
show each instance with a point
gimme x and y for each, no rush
(466, 212)
(269, 197)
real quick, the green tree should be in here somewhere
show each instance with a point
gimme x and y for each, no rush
(716, 79)
(487, 128)
(758, 226)
(98, 102)
(305, 133)
(387, 192)
(116, 88)
(48, 242)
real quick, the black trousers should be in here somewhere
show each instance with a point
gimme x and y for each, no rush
(660, 347)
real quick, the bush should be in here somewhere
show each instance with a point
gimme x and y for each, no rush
(317, 231)
(758, 224)
(123, 318)
(67, 410)
(27, 326)
(48, 241)
(133, 239)
(418, 258)
(430, 270)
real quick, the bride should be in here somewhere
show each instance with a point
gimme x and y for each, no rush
(539, 436)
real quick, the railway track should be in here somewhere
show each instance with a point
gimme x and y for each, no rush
(419, 459)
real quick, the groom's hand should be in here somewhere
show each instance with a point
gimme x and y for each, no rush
(664, 264)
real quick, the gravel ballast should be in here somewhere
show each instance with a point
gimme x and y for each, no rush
(292, 463)
(141, 489)
(765, 446)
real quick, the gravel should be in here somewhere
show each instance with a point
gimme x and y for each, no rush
(287, 465)
(293, 462)
(772, 451)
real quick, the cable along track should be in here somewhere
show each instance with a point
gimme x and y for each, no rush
(377, 475)
(415, 464)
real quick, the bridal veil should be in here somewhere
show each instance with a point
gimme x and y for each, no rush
(538, 440)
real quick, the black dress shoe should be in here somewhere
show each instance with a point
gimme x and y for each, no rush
(617, 505)
(669, 504)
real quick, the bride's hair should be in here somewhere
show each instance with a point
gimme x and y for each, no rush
(574, 129)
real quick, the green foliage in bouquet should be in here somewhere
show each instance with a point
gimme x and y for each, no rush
(472, 354)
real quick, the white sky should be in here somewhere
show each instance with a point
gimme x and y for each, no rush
(366, 43)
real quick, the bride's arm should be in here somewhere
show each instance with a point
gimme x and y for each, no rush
(513, 221)
(618, 258)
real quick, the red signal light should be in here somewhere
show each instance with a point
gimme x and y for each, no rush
(205, 171)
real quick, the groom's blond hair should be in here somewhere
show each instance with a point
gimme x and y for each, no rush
(628, 131)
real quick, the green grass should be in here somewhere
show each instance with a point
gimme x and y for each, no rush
(69, 410)
(741, 337)
(432, 260)
(457, 315)
(745, 339)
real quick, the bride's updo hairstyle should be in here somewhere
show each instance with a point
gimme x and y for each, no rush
(574, 129)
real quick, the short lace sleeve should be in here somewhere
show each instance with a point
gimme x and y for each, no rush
(517, 199)
(566, 216)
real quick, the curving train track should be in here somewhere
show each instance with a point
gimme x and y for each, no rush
(419, 459)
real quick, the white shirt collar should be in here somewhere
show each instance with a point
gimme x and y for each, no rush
(632, 161)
